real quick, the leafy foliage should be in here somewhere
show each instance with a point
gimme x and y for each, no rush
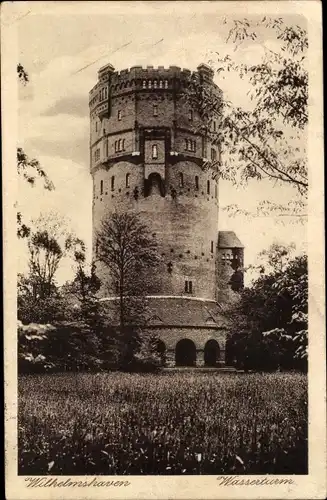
(128, 250)
(131, 424)
(270, 321)
(267, 138)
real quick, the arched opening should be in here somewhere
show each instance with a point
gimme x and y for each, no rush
(185, 353)
(154, 185)
(127, 180)
(161, 350)
(211, 353)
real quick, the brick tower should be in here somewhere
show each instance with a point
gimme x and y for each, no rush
(147, 156)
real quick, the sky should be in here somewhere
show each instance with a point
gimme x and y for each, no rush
(62, 52)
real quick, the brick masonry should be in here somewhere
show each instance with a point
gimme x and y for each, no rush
(144, 138)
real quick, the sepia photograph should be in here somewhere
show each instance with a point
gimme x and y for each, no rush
(161, 238)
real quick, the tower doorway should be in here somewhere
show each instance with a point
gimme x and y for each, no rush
(185, 353)
(211, 353)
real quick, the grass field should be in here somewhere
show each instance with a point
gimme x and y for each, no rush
(179, 423)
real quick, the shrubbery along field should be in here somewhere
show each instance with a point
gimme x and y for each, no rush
(174, 423)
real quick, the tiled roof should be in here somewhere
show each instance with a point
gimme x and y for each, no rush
(228, 239)
(179, 311)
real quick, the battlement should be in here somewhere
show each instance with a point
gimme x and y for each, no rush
(155, 77)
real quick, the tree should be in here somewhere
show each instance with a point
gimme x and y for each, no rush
(39, 298)
(269, 322)
(130, 254)
(265, 140)
(29, 169)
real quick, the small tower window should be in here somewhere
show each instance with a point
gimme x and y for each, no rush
(144, 84)
(166, 84)
(196, 182)
(208, 187)
(155, 84)
(160, 84)
(188, 286)
(214, 126)
(127, 180)
(181, 180)
(155, 110)
(150, 84)
(112, 183)
(119, 114)
(101, 187)
(96, 126)
(190, 114)
(154, 151)
(211, 247)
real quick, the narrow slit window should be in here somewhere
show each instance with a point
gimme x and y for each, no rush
(119, 145)
(101, 187)
(208, 187)
(186, 144)
(186, 287)
(154, 151)
(166, 84)
(127, 180)
(96, 126)
(211, 247)
(155, 110)
(119, 114)
(123, 145)
(190, 287)
(181, 180)
(112, 183)
(214, 126)
(190, 114)
(196, 182)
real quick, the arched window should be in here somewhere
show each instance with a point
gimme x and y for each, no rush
(154, 151)
(166, 84)
(208, 187)
(112, 183)
(150, 84)
(196, 182)
(181, 180)
(160, 84)
(127, 180)
(101, 187)
(144, 84)
(155, 84)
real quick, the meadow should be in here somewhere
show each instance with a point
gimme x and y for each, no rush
(171, 423)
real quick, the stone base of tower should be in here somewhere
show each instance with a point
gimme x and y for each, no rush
(192, 332)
